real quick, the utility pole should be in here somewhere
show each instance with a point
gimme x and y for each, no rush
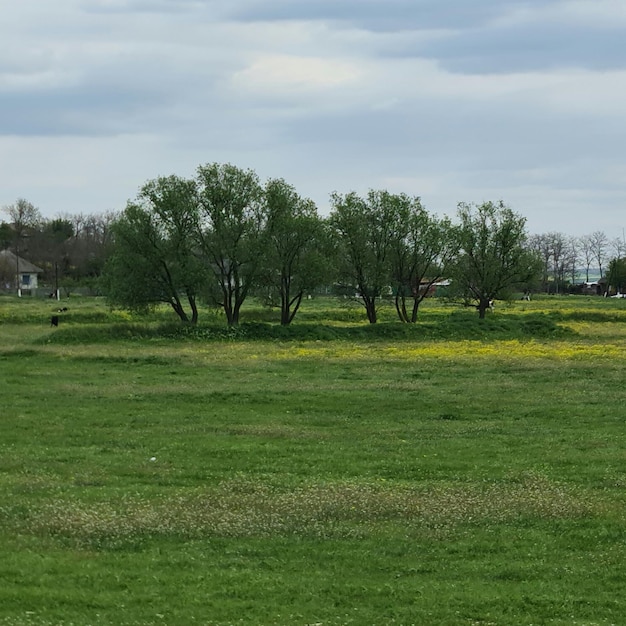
(17, 269)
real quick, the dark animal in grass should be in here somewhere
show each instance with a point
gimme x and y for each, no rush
(63, 309)
(54, 320)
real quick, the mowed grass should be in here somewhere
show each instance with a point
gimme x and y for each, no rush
(357, 476)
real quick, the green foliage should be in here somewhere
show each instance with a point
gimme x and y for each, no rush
(6, 236)
(232, 222)
(494, 259)
(423, 250)
(60, 229)
(153, 259)
(366, 229)
(616, 276)
(297, 255)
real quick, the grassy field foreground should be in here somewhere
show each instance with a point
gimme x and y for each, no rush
(452, 473)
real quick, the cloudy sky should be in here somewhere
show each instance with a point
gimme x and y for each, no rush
(450, 100)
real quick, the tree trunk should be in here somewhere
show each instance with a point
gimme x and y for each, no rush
(403, 314)
(233, 317)
(286, 313)
(178, 309)
(370, 308)
(194, 309)
(483, 305)
(399, 307)
(416, 304)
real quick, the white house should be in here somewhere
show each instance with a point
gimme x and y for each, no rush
(17, 273)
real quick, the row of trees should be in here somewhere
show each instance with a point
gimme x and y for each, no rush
(220, 235)
(224, 235)
(563, 256)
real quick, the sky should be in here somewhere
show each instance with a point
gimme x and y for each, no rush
(449, 100)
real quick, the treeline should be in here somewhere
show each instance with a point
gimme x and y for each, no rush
(70, 249)
(223, 235)
(563, 257)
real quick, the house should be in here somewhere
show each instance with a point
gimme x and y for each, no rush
(17, 273)
(595, 288)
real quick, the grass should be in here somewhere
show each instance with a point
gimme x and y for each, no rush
(332, 473)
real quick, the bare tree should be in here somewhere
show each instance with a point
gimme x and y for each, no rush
(599, 248)
(540, 245)
(618, 247)
(586, 250)
(558, 250)
(572, 258)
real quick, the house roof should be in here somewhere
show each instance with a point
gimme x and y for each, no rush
(24, 265)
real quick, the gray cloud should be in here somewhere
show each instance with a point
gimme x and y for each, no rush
(447, 99)
(527, 48)
(390, 15)
(477, 35)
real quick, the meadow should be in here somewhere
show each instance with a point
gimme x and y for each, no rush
(454, 472)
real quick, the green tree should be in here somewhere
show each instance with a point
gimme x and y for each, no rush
(296, 250)
(422, 249)
(154, 252)
(365, 229)
(232, 225)
(494, 257)
(616, 276)
(6, 236)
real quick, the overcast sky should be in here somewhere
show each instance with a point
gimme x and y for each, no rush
(449, 100)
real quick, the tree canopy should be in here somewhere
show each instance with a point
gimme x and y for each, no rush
(365, 229)
(494, 257)
(297, 256)
(221, 236)
(154, 256)
(232, 221)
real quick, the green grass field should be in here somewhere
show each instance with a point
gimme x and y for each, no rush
(452, 472)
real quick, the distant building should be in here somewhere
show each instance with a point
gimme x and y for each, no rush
(17, 273)
(594, 288)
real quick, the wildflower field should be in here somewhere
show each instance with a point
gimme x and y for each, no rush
(456, 471)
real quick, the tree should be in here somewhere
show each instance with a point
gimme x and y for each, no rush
(422, 249)
(586, 249)
(365, 229)
(6, 236)
(559, 256)
(617, 275)
(24, 216)
(153, 258)
(232, 223)
(618, 247)
(572, 258)
(541, 246)
(494, 257)
(558, 249)
(295, 247)
(599, 245)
